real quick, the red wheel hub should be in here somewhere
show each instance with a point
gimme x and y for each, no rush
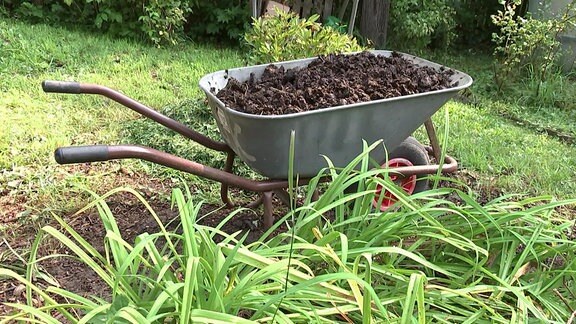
(406, 183)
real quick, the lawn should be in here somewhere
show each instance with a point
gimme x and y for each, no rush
(37, 123)
(504, 146)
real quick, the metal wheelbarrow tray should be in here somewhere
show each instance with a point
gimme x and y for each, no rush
(262, 142)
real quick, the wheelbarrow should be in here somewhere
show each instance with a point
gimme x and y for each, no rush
(262, 142)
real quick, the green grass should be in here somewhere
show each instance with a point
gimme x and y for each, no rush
(39, 122)
(506, 156)
(36, 123)
(509, 157)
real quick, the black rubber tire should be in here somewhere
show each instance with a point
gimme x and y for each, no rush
(411, 150)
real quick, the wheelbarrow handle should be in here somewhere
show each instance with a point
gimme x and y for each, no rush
(81, 154)
(61, 87)
(87, 88)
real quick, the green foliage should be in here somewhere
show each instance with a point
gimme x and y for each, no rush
(416, 24)
(163, 21)
(286, 37)
(528, 47)
(188, 277)
(474, 26)
(219, 20)
(437, 255)
(337, 24)
(159, 21)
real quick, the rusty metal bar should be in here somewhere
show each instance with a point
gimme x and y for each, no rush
(81, 154)
(178, 163)
(155, 116)
(436, 151)
(86, 88)
(224, 188)
(450, 165)
(255, 203)
(268, 209)
(284, 196)
(266, 188)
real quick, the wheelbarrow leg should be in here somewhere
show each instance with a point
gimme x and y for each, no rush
(255, 203)
(224, 187)
(268, 209)
(265, 200)
(433, 140)
(284, 196)
(315, 195)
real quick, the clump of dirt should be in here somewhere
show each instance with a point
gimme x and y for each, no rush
(331, 81)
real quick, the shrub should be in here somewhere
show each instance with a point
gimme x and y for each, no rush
(163, 21)
(221, 20)
(159, 21)
(286, 37)
(528, 47)
(474, 26)
(416, 24)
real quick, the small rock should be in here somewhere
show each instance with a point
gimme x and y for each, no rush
(124, 170)
(19, 291)
(14, 184)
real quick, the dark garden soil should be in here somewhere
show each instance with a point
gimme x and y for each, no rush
(331, 81)
(132, 217)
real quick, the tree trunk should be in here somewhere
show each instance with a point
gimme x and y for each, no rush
(374, 23)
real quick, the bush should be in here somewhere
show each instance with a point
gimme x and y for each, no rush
(286, 37)
(416, 24)
(221, 20)
(528, 48)
(159, 21)
(474, 26)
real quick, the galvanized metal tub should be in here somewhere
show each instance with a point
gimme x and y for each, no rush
(263, 142)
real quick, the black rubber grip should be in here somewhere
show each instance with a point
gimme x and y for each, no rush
(81, 154)
(61, 86)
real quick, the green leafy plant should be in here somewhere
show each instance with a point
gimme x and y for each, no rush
(474, 27)
(160, 22)
(221, 20)
(336, 23)
(186, 277)
(164, 20)
(416, 24)
(286, 37)
(526, 46)
(434, 257)
(438, 254)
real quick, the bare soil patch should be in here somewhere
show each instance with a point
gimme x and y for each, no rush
(331, 81)
(133, 219)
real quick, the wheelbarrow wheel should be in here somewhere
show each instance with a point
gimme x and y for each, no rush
(411, 150)
(409, 153)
